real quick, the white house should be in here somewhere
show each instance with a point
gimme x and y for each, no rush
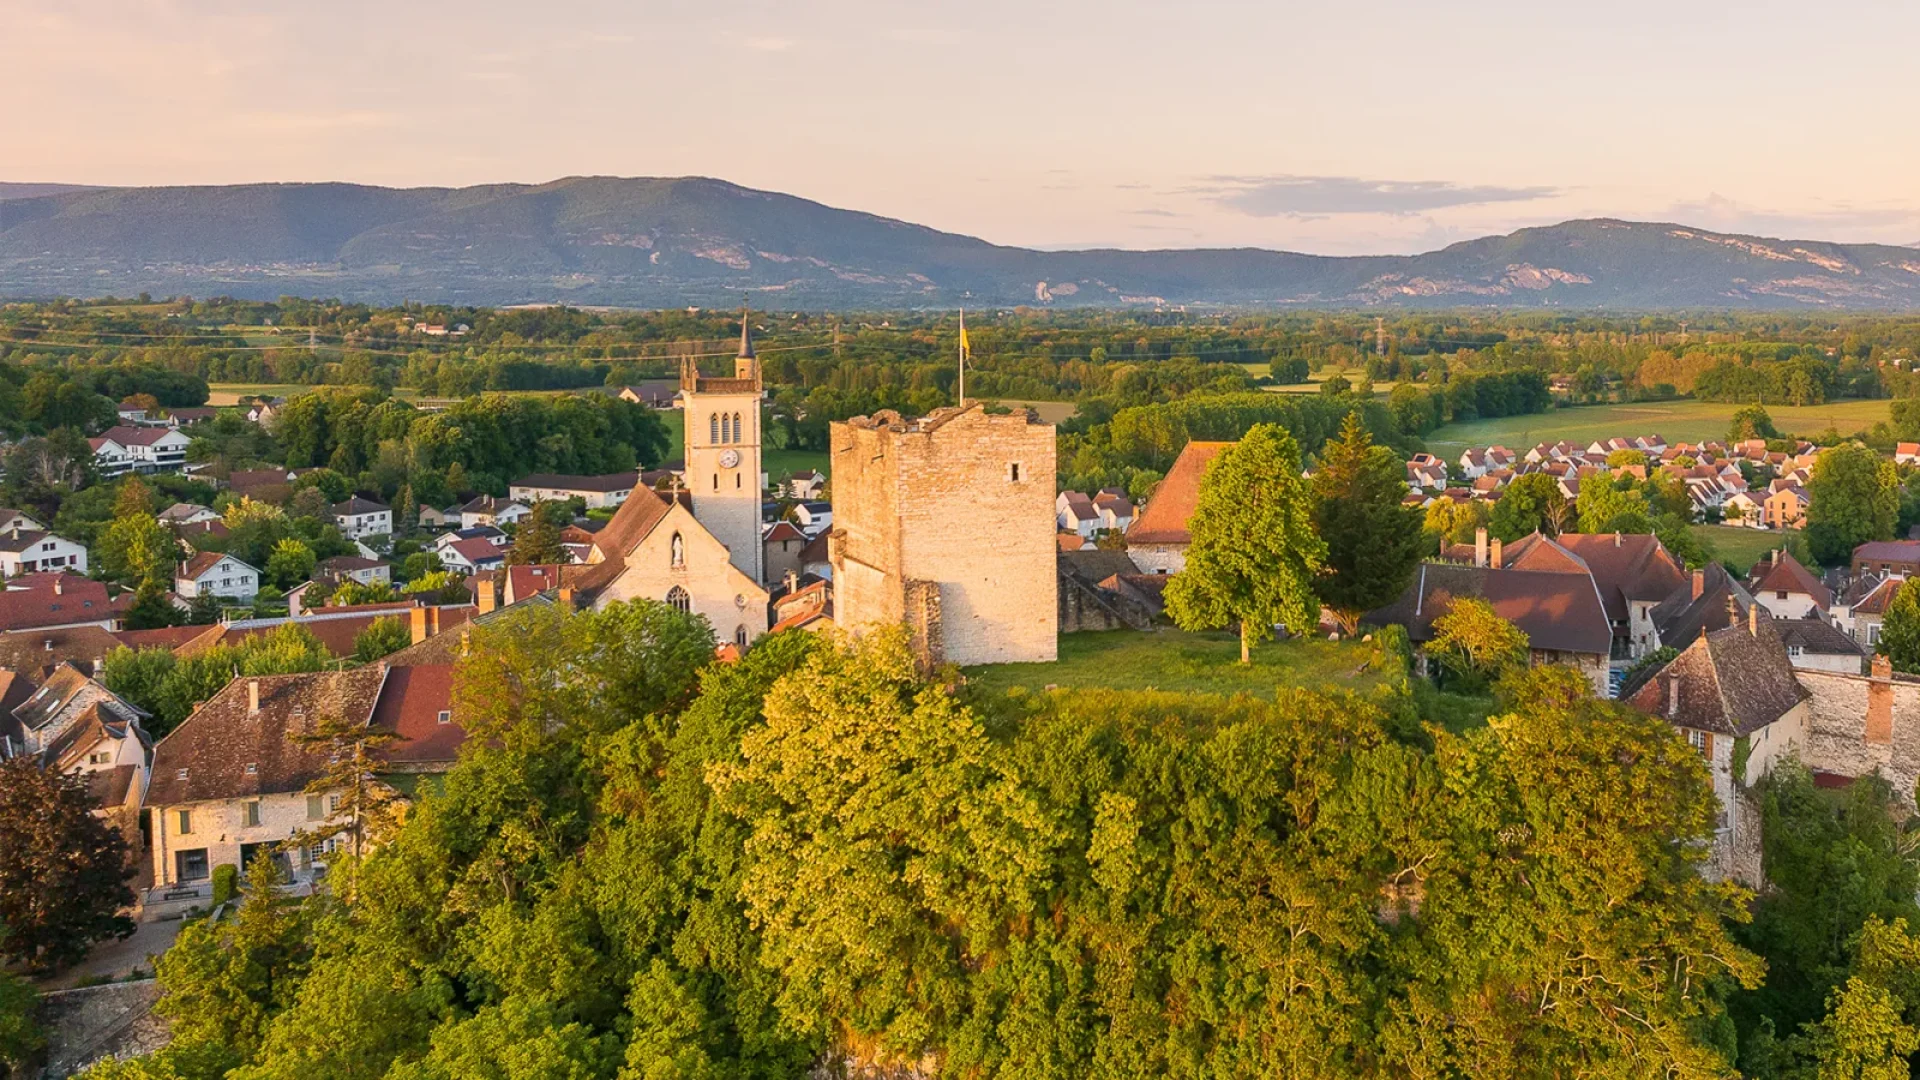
(212, 573)
(11, 519)
(806, 484)
(1075, 513)
(1116, 510)
(358, 517)
(1907, 453)
(354, 568)
(31, 551)
(142, 449)
(814, 517)
(1742, 508)
(182, 513)
(472, 556)
(1789, 590)
(597, 492)
(487, 510)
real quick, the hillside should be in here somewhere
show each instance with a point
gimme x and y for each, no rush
(668, 242)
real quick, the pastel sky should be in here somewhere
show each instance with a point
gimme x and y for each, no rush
(1338, 127)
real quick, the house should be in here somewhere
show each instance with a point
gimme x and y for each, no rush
(816, 558)
(1788, 589)
(1734, 696)
(472, 555)
(1861, 610)
(1741, 508)
(487, 510)
(1104, 590)
(432, 518)
(783, 543)
(52, 600)
(353, 568)
(58, 722)
(229, 784)
(1561, 613)
(1906, 453)
(358, 517)
(1898, 557)
(1711, 599)
(140, 449)
(265, 413)
(212, 573)
(598, 492)
(1816, 644)
(1116, 510)
(802, 603)
(813, 517)
(1076, 513)
(806, 484)
(110, 459)
(187, 417)
(31, 551)
(1159, 537)
(263, 485)
(193, 538)
(653, 393)
(11, 519)
(488, 533)
(1786, 507)
(182, 513)
(1473, 464)
(132, 413)
(1631, 572)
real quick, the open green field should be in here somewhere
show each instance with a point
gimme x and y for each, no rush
(231, 393)
(1742, 547)
(1676, 421)
(1257, 369)
(1177, 661)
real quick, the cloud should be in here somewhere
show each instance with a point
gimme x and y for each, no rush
(1718, 212)
(1277, 196)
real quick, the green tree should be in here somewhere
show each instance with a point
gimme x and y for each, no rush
(350, 593)
(537, 541)
(1869, 1031)
(21, 1036)
(1474, 644)
(1604, 508)
(1751, 422)
(382, 637)
(1254, 554)
(1854, 497)
(1531, 503)
(363, 810)
(291, 563)
(63, 871)
(1372, 540)
(1900, 629)
(222, 981)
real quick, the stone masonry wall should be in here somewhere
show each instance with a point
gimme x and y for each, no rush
(1859, 725)
(99, 1023)
(942, 502)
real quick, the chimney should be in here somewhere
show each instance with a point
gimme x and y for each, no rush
(253, 697)
(566, 597)
(1493, 554)
(793, 581)
(1616, 540)
(1753, 619)
(1882, 666)
(59, 584)
(1673, 696)
(49, 644)
(1776, 555)
(1480, 547)
(484, 595)
(418, 616)
(1699, 583)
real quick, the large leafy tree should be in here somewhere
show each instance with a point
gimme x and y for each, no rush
(1372, 539)
(1751, 422)
(21, 1036)
(63, 871)
(1474, 644)
(1606, 507)
(1900, 628)
(1254, 554)
(1855, 497)
(1530, 503)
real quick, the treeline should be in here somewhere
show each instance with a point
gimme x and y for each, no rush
(648, 865)
(37, 400)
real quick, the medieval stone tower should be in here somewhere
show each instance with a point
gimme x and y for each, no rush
(723, 453)
(946, 524)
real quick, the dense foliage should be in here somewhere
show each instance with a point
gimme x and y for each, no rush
(63, 871)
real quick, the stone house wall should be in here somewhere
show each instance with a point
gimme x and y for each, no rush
(220, 827)
(1861, 724)
(715, 586)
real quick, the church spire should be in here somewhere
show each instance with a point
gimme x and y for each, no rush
(746, 337)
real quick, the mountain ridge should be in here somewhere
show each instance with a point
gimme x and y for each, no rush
(668, 242)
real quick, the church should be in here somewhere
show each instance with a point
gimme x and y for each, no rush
(697, 547)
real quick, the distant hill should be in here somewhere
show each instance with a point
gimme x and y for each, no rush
(34, 191)
(670, 242)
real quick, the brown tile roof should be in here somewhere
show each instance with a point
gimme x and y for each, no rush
(1783, 573)
(165, 637)
(782, 531)
(126, 435)
(631, 523)
(1877, 598)
(1627, 567)
(100, 720)
(343, 564)
(478, 550)
(1164, 520)
(411, 703)
(38, 651)
(201, 563)
(208, 755)
(1817, 635)
(1069, 541)
(111, 787)
(1888, 551)
(1557, 611)
(77, 600)
(1733, 681)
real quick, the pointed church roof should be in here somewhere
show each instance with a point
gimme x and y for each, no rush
(746, 337)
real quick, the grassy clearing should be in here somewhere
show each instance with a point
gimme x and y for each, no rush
(1677, 421)
(1741, 547)
(1180, 662)
(231, 393)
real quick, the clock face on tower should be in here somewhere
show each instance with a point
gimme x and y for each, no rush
(729, 458)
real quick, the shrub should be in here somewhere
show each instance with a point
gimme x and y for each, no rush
(226, 883)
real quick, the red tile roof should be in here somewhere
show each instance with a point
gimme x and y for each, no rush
(1164, 521)
(411, 703)
(1787, 575)
(208, 756)
(74, 600)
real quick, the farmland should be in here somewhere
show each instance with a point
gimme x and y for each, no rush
(1676, 421)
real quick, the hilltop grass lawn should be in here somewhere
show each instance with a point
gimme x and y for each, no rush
(1741, 547)
(1676, 421)
(1181, 662)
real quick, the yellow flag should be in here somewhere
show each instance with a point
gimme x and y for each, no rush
(963, 337)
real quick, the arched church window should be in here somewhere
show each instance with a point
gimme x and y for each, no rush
(713, 428)
(737, 429)
(679, 600)
(740, 636)
(679, 549)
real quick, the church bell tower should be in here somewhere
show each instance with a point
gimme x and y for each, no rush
(723, 453)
